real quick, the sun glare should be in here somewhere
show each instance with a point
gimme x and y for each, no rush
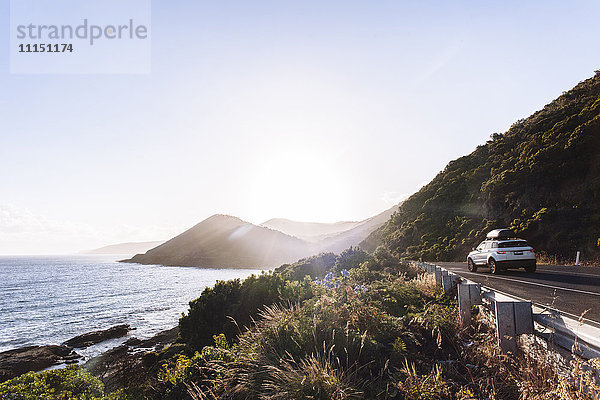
(301, 184)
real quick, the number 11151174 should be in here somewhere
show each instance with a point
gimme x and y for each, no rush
(45, 48)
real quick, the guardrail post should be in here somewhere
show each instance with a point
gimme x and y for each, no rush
(454, 278)
(468, 296)
(443, 276)
(448, 281)
(523, 317)
(475, 294)
(438, 275)
(446, 285)
(505, 326)
(513, 318)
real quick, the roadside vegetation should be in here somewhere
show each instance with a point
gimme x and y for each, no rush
(354, 326)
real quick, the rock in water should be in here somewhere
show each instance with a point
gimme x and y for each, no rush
(91, 338)
(33, 358)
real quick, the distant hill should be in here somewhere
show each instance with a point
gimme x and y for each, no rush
(541, 178)
(125, 248)
(223, 241)
(310, 231)
(352, 237)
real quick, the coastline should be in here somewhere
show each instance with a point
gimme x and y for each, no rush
(119, 348)
(94, 308)
(50, 300)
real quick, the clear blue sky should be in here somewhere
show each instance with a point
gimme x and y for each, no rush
(310, 110)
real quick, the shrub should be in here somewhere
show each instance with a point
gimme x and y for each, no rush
(315, 377)
(230, 305)
(315, 266)
(423, 387)
(351, 258)
(68, 383)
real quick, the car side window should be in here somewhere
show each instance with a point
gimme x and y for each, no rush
(494, 245)
(481, 246)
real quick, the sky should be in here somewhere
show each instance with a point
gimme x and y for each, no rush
(308, 110)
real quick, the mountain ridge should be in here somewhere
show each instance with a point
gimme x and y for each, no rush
(225, 241)
(310, 231)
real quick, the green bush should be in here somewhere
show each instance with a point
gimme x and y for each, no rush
(312, 267)
(59, 384)
(231, 305)
(351, 258)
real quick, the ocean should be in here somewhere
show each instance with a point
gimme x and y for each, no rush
(50, 299)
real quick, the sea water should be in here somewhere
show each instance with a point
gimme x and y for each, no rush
(50, 299)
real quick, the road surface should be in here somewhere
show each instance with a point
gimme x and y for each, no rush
(574, 290)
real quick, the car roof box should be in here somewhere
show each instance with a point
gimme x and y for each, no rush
(500, 234)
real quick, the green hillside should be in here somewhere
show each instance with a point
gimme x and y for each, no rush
(541, 178)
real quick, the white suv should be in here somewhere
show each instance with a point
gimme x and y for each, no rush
(502, 250)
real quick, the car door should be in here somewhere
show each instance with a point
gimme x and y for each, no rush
(491, 249)
(479, 257)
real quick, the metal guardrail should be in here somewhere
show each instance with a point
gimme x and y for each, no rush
(515, 316)
(571, 334)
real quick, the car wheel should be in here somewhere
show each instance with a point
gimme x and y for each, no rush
(530, 268)
(493, 267)
(471, 266)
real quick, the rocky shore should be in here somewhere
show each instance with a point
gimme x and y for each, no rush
(92, 338)
(36, 358)
(124, 365)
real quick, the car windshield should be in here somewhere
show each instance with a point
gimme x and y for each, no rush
(513, 243)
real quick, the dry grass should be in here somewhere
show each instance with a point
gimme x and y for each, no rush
(586, 376)
(537, 372)
(425, 282)
(547, 259)
(316, 376)
(265, 370)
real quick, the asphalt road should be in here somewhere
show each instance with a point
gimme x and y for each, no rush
(574, 290)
